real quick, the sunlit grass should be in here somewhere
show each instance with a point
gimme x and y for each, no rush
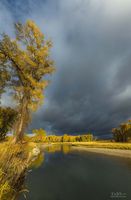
(102, 144)
(14, 165)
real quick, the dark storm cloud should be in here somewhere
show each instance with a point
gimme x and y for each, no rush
(91, 89)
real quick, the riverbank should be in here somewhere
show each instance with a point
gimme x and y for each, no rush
(109, 148)
(112, 152)
(103, 144)
(105, 147)
(14, 165)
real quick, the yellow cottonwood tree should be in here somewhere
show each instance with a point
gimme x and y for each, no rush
(123, 132)
(27, 59)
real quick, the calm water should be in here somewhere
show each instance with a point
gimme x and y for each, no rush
(79, 176)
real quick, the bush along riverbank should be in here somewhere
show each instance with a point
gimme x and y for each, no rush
(14, 164)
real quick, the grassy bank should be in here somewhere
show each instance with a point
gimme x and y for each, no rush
(94, 144)
(14, 163)
(102, 144)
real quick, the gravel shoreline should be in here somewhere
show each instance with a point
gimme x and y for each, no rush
(112, 152)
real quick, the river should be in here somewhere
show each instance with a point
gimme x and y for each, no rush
(66, 174)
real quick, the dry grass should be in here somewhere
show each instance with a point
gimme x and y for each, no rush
(104, 144)
(96, 144)
(14, 163)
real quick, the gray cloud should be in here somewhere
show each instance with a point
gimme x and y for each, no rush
(91, 89)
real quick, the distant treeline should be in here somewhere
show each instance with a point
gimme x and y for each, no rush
(41, 136)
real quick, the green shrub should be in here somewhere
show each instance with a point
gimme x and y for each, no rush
(8, 117)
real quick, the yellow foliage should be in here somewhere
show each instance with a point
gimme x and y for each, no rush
(27, 59)
(37, 162)
(29, 56)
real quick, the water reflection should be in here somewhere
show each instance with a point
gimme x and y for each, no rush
(38, 161)
(58, 148)
(72, 175)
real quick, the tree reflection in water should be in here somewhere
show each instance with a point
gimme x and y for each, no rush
(65, 148)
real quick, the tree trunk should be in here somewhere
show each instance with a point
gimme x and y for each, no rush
(22, 121)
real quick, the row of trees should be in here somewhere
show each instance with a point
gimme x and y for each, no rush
(24, 62)
(123, 132)
(41, 136)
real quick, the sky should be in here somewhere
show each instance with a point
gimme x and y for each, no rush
(91, 88)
